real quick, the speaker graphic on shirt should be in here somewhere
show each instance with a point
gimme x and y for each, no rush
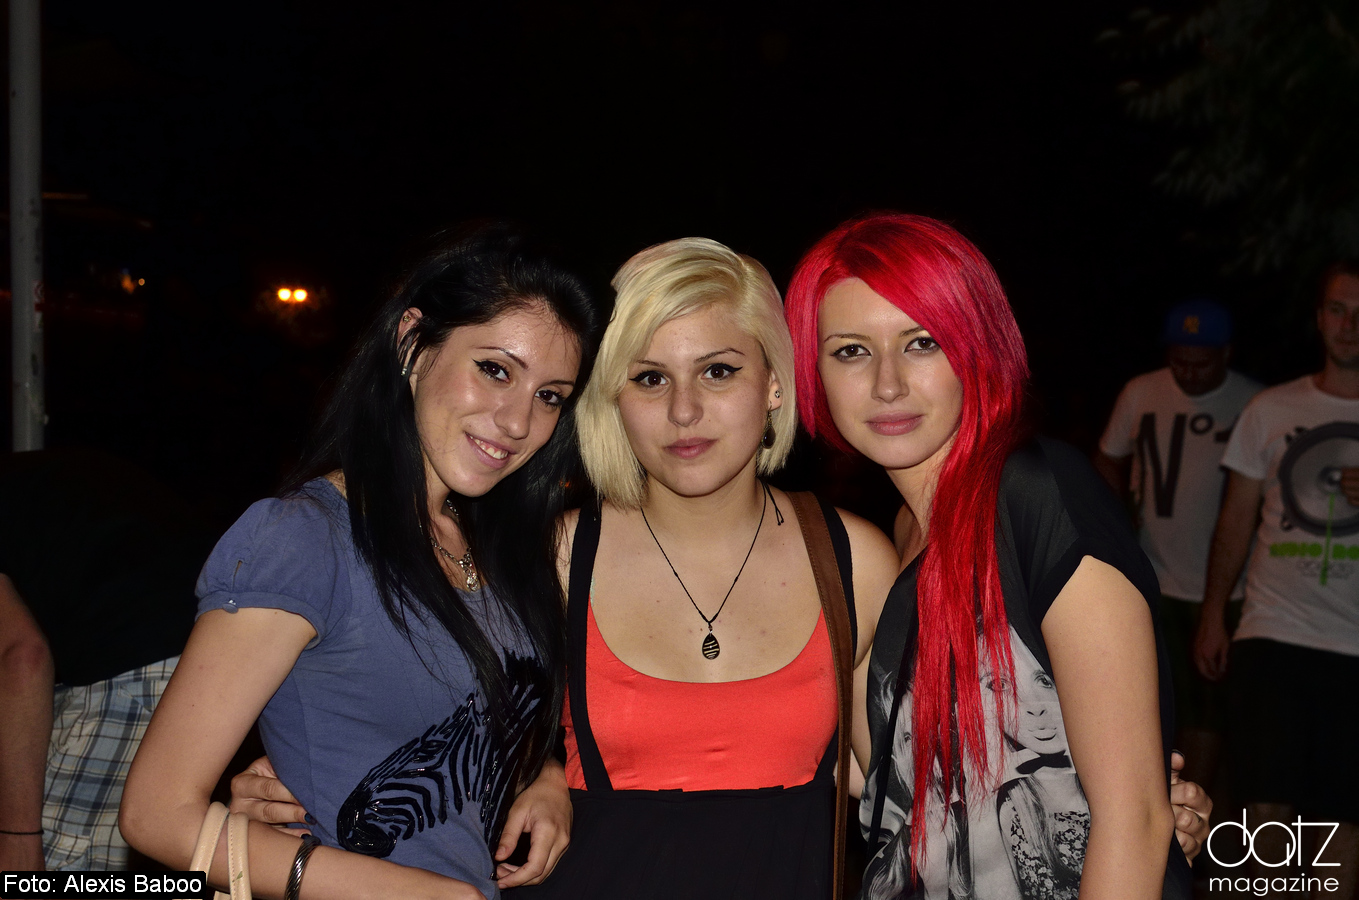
(1309, 481)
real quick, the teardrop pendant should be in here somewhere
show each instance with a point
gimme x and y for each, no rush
(710, 646)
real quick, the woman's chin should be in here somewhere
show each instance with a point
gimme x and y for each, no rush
(694, 488)
(893, 459)
(694, 481)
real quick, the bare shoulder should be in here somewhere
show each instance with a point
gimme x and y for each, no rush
(566, 529)
(337, 478)
(566, 539)
(17, 625)
(866, 540)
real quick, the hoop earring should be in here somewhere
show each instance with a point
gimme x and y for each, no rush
(767, 440)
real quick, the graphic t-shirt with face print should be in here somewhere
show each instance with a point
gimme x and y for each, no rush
(1020, 832)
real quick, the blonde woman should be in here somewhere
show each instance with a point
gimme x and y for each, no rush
(701, 712)
(702, 708)
(701, 697)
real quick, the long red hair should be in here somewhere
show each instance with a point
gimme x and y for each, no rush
(937, 277)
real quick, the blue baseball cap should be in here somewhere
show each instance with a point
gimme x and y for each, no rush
(1199, 323)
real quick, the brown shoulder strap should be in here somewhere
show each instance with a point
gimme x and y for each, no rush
(816, 535)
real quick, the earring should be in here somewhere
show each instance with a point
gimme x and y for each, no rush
(767, 441)
(406, 317)
(778, 394)
(406, 370)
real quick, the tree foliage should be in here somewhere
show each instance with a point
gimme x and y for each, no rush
(1262, 100)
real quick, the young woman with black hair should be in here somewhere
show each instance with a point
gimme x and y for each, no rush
(703, 671)
(393, 618)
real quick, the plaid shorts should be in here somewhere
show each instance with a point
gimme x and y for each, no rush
(96, 730)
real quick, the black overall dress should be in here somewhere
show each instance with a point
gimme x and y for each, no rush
(761, 844)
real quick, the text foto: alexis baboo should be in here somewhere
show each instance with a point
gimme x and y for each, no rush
(101, 885)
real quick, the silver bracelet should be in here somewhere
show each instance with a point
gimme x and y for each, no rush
(294, 888)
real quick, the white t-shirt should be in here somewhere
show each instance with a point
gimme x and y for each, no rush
(1302, 584)
(1177, 476)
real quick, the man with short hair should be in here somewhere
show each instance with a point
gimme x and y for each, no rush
(1164, 444)
(1293, 708)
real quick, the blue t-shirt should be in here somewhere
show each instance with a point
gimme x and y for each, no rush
(386, 745)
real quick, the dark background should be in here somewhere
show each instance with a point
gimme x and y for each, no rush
(219, 151)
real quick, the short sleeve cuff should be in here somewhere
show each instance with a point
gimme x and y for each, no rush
(262, 600)
(1045, 593)
(1111, 448)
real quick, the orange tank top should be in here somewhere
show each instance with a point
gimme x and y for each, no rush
(659, 735)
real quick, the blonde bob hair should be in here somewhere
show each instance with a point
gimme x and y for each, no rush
(662, 283)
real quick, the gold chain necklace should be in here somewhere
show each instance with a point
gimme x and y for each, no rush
(469, 568)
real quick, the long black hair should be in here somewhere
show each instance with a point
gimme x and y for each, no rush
(368, 431)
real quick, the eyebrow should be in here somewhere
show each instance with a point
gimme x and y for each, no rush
(707, 356)
(704, 358)
(523, 365)
(863, 337)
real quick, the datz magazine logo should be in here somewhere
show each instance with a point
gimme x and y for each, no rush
(1224, 851)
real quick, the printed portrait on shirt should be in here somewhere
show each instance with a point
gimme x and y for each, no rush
(1020, 833)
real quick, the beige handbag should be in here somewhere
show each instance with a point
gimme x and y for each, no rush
(238, 866)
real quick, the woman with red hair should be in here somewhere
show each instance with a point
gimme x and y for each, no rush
(1017, 696)
(699, 754)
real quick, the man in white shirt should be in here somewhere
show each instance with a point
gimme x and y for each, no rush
(1163, 446)
(1294, 659)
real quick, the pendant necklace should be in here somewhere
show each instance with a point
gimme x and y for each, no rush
(710, 646)
(469, 569)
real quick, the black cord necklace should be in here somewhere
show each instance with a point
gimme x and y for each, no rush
(710, 646)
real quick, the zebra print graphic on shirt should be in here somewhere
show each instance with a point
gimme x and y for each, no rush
(457, 761)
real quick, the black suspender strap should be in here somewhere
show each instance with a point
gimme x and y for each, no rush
(583, 549)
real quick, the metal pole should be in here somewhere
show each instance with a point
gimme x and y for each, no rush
(25, 221)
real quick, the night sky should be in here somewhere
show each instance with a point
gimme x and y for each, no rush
(219, 151)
